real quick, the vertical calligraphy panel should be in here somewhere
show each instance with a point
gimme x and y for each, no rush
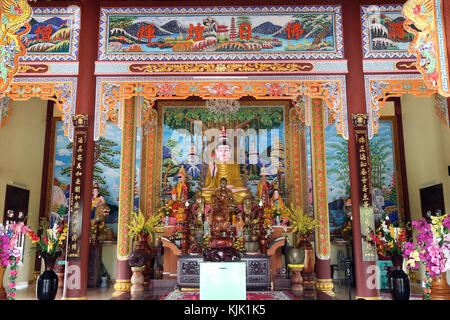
(367, 222)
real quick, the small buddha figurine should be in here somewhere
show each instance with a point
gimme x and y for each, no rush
(223, 193)
(198, 208)
(248, 207)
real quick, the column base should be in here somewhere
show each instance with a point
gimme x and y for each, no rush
(121, 286)
(325, 285)
(74, 298)
(368, 298)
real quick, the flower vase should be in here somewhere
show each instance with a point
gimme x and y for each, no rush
(2, 289)
(440, 290)
(167, 221)
(278, 220)
(47, 282)
(398, 280)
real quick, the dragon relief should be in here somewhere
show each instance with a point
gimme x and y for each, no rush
(15, 17)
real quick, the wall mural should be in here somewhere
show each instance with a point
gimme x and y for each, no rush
(384, 184)
(54, 35)
(384, 35)
(106, 173)
(221, 33)
(258, 148)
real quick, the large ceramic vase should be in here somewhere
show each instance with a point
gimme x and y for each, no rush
(440, 290)
(398, 280)
(47, 282)
(2, 289)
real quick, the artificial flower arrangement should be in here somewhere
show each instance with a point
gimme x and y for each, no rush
(141, 225)
(165, 210)
(389, 240)
(302, 224)
(239, 245)
(432, 249)
(9, 255)
(176, 235)
(52, 240)
(277, 212)
(204, 243)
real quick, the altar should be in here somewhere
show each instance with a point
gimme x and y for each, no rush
(257, 271)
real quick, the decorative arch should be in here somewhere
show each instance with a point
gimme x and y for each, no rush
(111, 92)
(381, 87)
(60, 90)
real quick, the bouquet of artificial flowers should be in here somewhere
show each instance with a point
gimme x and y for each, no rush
(389, 240)
(52, 239)
(432, 249)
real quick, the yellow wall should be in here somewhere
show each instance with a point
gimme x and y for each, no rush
(22, 145)
(427, 151)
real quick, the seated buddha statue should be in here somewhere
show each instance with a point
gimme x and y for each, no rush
(220, 168)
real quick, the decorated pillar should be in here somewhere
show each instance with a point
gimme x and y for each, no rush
(126, 196)
(298, 169)
(77, 257)
(322, 245)
(364, 271)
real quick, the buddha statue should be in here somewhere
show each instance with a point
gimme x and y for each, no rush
(198, 208)
(220, 168)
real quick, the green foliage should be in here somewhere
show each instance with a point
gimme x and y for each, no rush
(254, 117)
(379, 153)
(340, 158)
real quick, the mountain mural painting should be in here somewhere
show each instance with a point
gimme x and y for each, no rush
(383, 32)
(53, 34)
(297, 33)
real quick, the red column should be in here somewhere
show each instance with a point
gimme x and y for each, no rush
(356, 104)
(75, 286)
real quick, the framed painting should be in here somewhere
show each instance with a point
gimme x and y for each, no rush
(221, 33)
(54, 35)
(384, 35)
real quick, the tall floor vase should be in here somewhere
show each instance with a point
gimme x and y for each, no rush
(440, 290)
(47, 282)
(398, 280)
(2, 289)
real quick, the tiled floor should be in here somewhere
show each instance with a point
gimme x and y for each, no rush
(341, 293)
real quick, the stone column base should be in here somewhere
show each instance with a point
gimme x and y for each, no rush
(325, 285)
(121, 286)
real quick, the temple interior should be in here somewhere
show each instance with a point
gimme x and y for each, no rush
(257, 148)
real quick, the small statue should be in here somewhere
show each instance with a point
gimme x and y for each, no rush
(206, 226)
(263, 189)
(240, 227)
(248, 208)
(198, 207)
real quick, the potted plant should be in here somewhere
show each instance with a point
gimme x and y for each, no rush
(432, 250)
(50, 244)
(303, 226)
(389, 241)
(142, 228)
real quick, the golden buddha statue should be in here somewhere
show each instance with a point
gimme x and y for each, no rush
(221, 168)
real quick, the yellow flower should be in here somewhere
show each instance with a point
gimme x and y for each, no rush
(411, 263)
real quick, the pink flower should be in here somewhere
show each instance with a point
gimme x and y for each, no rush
(12, 285)
(14, 272)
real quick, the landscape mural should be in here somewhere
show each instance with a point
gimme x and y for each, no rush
(185, 145)
(106, 172)
(53, 36)
(383, 32)
(302, 32)
(384, 186)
